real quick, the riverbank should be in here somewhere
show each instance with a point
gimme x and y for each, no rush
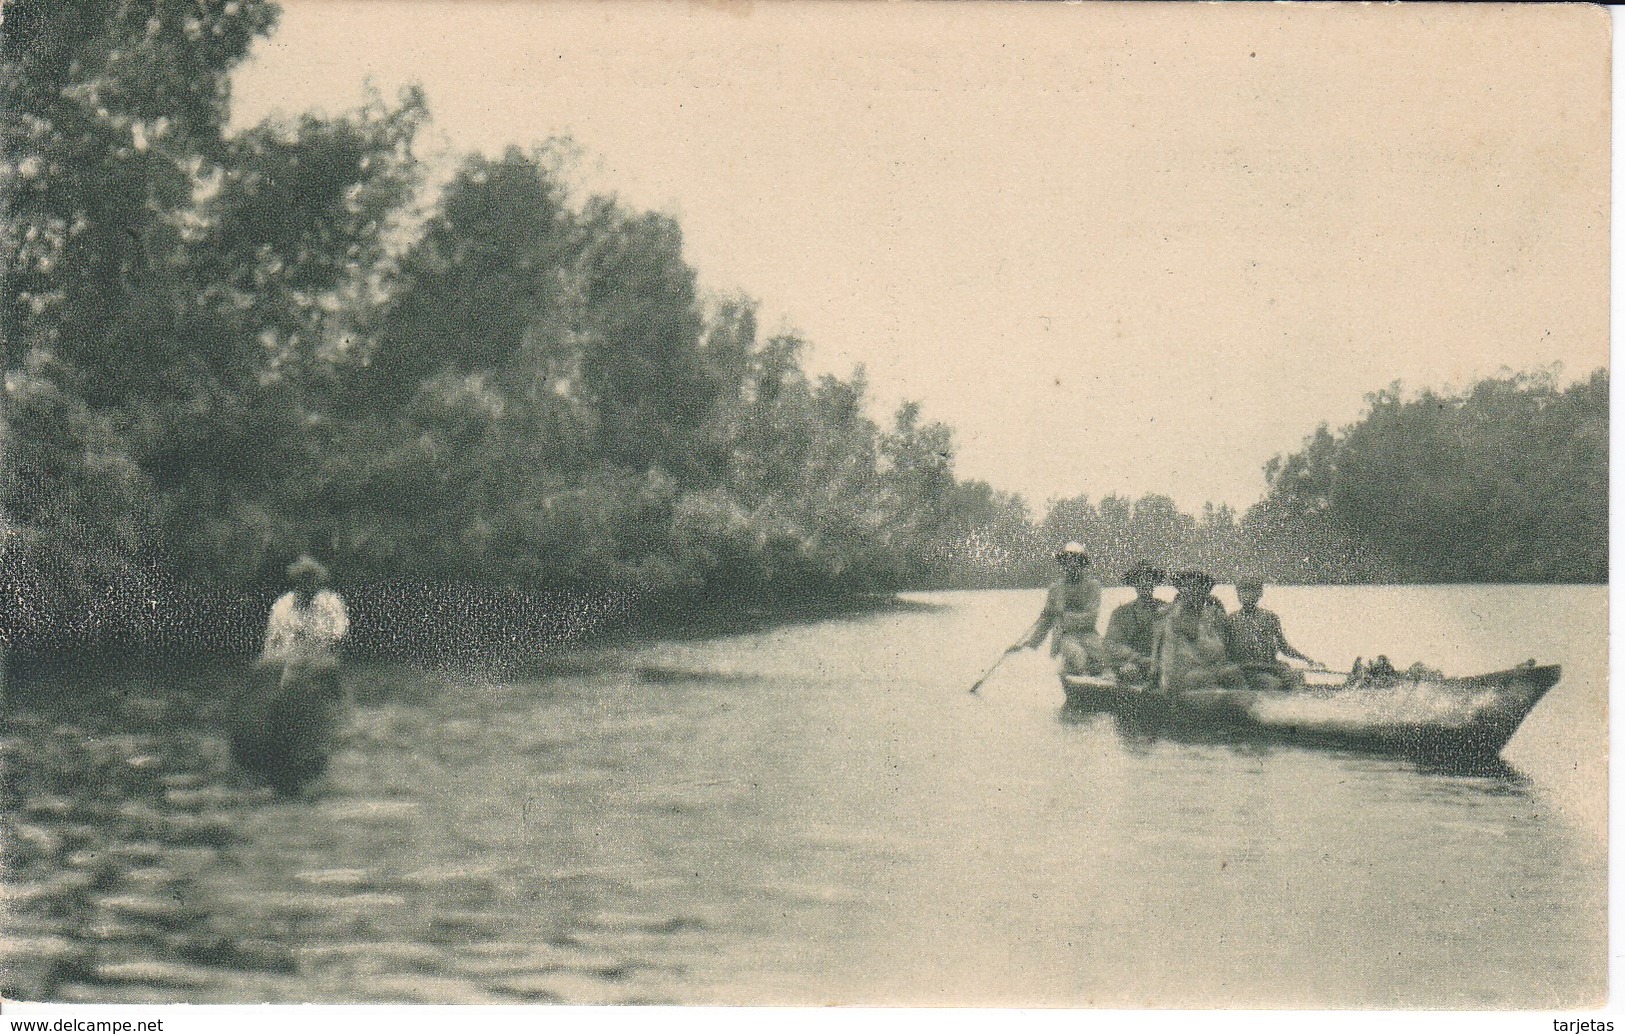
(459, 626)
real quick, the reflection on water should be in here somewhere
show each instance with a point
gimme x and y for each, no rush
(821, 813)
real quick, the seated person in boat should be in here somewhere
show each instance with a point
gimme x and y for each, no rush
(285, 729)
(1381, 669)
(1191, 647)
(1256, 640)
(1132, 629)
(306, 625)
(1071, 612)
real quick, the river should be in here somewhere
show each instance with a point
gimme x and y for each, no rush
(821, 814)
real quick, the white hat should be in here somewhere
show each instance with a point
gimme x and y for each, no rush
(307, 565)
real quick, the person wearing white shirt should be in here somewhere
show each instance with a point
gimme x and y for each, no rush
(307, 623)
(287, 730)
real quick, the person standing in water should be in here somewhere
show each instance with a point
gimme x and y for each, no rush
(1131, 631)
(1192, 639)
(1071, 612)
(1256, 639)
(285, 731)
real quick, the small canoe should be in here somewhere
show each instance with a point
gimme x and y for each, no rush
(287, 723)
(1430, 718)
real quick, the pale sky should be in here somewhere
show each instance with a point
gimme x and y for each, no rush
(1118, 247)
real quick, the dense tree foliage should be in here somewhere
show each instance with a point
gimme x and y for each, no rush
(223, 349)
(1506, 481)
(111, 115)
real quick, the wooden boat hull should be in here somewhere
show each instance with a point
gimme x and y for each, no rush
(287, 725)
(1436, 719)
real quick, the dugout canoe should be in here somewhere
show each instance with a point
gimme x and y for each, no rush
(287, 723)
(1428, 718)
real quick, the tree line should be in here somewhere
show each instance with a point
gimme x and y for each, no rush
(223, 349)
(1503, 481)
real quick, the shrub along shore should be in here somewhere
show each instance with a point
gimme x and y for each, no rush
(479, 398)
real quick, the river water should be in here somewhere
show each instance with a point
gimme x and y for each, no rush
(821, 814)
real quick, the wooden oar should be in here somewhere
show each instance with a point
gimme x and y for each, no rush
(993, 667)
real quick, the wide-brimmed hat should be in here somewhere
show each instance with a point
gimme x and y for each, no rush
(307, 566)
(1074, 552)
(1192, 579)
(1141, 572)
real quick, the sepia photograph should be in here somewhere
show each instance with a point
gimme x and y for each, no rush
(999, 505)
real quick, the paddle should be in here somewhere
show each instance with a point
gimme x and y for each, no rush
(994, 667)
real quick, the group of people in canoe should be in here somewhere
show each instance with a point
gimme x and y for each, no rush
(1189, 642)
